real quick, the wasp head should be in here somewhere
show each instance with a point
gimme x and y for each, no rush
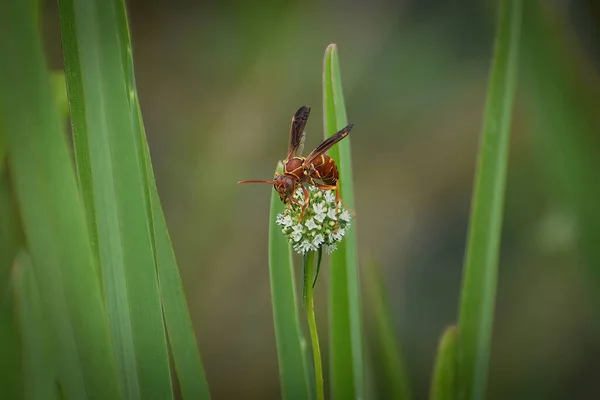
(284, 186)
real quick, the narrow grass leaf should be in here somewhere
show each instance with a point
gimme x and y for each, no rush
(51, 212)
(293, 367)
(394, 378)
(345, 334)
(483, 247)
(443, 385)
(100, 109)
(184, 349)
(319, 259)
(11, 239)
(11, 235)
(11, 369)
(40, 375)
(181, 336)
(565, 99)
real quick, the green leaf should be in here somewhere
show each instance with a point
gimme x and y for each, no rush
(181, 336)
(182, 340)
(11, 239)
(293, 366)
(11, 235)
(444, 376)
(394, 379)
(38, 351)
(482, 254)
(113, 179)
(308, 274)
(51, 212)
(564, 103)
(11, 369)
(346, 352)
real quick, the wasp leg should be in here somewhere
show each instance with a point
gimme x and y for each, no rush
(294, 201)
(305, 205)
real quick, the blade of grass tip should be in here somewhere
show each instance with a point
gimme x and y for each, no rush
(309, 306)
(482, 254)
(346, 352)
(293, 365)
(39, 363)
(180, 331)
(51, 213)
(443, 385)
(93, 44)
(394, 379)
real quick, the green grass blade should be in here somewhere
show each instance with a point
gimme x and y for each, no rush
(184, 349)
(181, 336)
(564, 103)
(11, 235)
(51, 212)
(443, 385)
(76, 104)
(11, 239)
(293, 368)
(394, 379)
(346, 352)
(11, 369)
(481, 264)
(41, 379)
(92, 46)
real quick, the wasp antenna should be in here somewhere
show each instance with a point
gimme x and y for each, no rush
(256, 181)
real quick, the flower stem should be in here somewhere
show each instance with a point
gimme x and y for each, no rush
(309, 265)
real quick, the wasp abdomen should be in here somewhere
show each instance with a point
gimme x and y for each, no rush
(324, 168)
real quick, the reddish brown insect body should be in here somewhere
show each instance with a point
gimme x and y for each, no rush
(324, 168)
(299, 170)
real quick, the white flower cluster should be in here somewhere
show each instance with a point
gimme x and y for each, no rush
(318, 227)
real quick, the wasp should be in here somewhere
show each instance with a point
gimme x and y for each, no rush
(317, 168)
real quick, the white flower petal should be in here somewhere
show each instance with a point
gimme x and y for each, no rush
(318, 240)
(298, 228)
(329, 196)
(331, 213)
(296, 236)
(330, 248)
(306, 246)
(345, 216)
(310, 224)
(320, 217)
(287, 221)
(279, 219)
(319, 208)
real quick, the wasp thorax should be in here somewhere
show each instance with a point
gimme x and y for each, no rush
(295, 167)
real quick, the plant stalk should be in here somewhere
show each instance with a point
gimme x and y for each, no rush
(309, 270)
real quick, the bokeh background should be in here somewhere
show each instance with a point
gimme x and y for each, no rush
(218, 84)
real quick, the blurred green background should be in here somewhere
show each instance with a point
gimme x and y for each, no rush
(218, 83)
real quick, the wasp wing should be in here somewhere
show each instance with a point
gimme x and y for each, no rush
(327, 144)
(297, 131)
